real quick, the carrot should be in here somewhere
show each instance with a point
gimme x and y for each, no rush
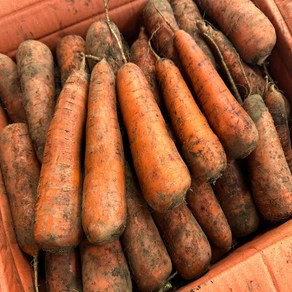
(276, 105)
(104, 268)
(58, 209)
(270, 176)
(201, 148)
(10, 90)
(3, 118)
(36, 71)
(234, 128)
(162, 35)
(63, 272)
(247, 78)
(147, 256)
(206, 209)
(186, 243)
(186, 13)
(245, 25)
(104, 203)
(236, 201)
(141, 55)
(68, 51)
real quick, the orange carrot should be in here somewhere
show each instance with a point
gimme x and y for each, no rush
(236, 201)
(187, 244)
(206, 209)
(270, 176)
(201, 148)
(36, 71)
(104, 268)
(3, 118)
(245, 25)
(58, 209)
(10, 90)
(68, 54)
(104, 202)
(147, 256)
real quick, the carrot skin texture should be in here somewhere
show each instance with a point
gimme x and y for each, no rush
(185, 241)
(162, 174)
(10, 90)
(58, 209)
(36, 72)
(68, 54)
(202, 202)
(63, 271)
(270, 176)
(234, 128)
(201, 148)
(236, 201)
(104, 268)
(104, 207)
(146, 253)
(245, 25)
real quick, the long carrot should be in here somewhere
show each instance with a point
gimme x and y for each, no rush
(104, 202)
(58, 209)
(270, 176)
(10, 90)
(36, 71)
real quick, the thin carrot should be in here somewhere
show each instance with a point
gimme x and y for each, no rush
(58, 209)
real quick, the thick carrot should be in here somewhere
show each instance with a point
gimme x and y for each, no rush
(63, 272)
(58, 209)
(270, 176)
(206, 209)
(10, 90)
(104, 201)
(236, 201)
(235, 129)
(104, 268)
(146, 253)
(36, 71)
(247, 79)
(245, 25)
(20, 169)
(276, 105)
(141, 55)
(68, 54)
(201, 148)
(186, 243)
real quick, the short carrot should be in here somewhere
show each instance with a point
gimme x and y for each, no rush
(36, 72)
(104, 201)
(58, 209)
(270, 176)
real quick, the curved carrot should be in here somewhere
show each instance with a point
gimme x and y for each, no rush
(104, 202)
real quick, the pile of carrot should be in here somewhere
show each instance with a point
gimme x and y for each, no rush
(149, 157)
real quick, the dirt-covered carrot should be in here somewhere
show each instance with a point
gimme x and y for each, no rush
(146, 253)
(203, 203)
(36, 72)
(141, 55)
(10, 90)
(68, 54)
(201, 148)
(20, 169)
(104, 202)
(63, 271)
(186, 13)
(245, 25)
(58, 209)
(104, 268)
(247, 79)
(186, 243)
(235, 129)
(236, 201)
(276, 105)
(270, 176)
